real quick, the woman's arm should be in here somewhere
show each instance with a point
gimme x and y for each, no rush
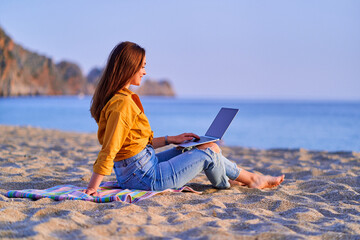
(94, 184)
(113, 136)
(160, 141)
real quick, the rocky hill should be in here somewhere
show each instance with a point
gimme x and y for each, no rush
(23, 72)
(155, 88)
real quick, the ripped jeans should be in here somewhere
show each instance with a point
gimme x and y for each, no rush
(173, 169)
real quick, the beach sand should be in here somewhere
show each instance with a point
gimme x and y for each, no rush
(319, 199)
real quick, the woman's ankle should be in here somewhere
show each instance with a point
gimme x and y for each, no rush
(246, 177)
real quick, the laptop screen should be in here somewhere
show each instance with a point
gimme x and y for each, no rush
(221, 122)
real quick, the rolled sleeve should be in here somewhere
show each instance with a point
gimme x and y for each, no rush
(151, 138)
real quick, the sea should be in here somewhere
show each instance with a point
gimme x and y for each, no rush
(261, 124)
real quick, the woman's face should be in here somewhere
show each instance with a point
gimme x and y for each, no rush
(136, 79)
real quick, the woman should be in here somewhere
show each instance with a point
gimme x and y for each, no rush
(128, 144)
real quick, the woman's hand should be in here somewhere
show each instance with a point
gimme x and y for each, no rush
(161, 141)
(182, 138)
(91, 192)
(94, 184)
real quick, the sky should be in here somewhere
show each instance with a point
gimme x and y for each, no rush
(280, 50)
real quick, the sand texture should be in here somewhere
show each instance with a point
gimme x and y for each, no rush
(319, 199)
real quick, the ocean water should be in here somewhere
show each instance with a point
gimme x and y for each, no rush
(331, 126)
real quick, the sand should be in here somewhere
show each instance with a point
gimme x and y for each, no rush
(319, 199)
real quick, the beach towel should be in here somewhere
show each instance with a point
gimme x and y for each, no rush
(108, 192)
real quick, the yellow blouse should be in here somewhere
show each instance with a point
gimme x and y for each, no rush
(123, 132)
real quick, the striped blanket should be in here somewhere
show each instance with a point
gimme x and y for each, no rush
(108, 192)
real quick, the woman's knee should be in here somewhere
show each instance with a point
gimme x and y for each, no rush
(211, 145)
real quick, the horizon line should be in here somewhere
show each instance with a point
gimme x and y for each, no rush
(197, 97)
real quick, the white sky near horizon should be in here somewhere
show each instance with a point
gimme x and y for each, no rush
(306, 50)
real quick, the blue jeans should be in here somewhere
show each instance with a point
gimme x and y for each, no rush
(173, 169)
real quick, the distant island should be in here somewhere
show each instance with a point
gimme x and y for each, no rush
(24, 73)
(148, 87)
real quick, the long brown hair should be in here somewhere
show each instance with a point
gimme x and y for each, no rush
(124, 61)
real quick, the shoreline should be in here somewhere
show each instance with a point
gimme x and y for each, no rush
(222, 145)
(318, 199)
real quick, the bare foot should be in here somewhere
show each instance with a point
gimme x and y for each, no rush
(262, 182)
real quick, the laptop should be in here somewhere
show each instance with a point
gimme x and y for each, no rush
(216, 130)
